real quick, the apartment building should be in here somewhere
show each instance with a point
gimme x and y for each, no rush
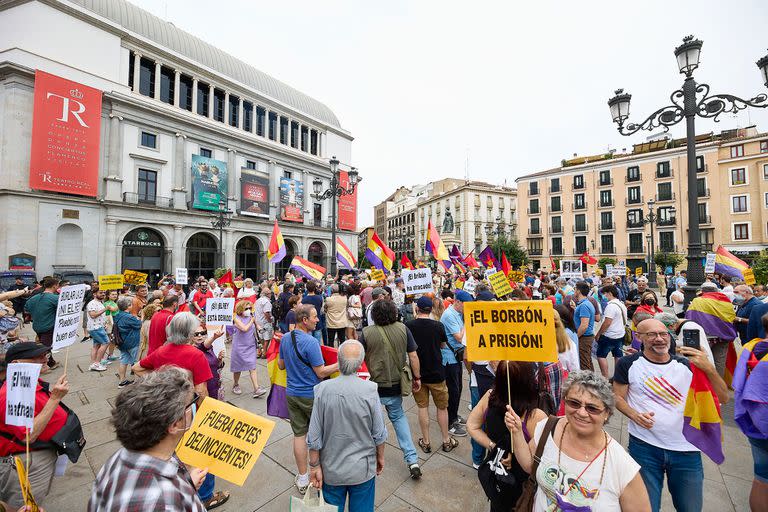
(601, 203)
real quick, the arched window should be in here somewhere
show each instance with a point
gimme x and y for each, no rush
(201, 255)
(248, 258)
(69, 245)
(143, 250)
(282, 267)
(316, 254)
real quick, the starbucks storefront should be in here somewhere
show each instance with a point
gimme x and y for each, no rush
(143, 250)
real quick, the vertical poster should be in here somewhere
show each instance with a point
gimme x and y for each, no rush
(66, 127)
(291, 200)
(254, 192)
(347, 205)
(209, 183)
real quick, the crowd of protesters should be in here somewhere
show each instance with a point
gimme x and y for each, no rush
(551, 425)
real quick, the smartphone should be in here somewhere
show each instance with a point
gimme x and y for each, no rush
(691, 339)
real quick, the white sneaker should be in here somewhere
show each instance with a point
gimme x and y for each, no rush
(96, 367)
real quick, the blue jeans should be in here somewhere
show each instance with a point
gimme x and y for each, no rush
(361, 496)
(394, 406)
(685, 475)
(206, 490)
(478, 452)
(318, 334)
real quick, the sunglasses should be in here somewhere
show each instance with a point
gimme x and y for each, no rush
(591, 409)
(201, 333)
(195, 398)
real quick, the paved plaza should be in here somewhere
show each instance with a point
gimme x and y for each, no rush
(449, 482)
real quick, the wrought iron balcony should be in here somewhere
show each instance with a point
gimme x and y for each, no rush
(147, 199)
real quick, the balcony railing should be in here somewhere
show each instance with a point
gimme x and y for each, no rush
(665, 197)
(669, 173)
(705, 219)
(533, 191)
(631, 179)
(633, 225)
(557, 251)
(135, 198)
(606, 204)
(607, 250)
(534, 231)
(555, 208)
(701, 170)
(666, 222)
(633, 249)
(607, 226)
(535, 252)
(555, 229)
(667, 248)
(579, 206)
(702, 192)
(707, 247)
(578, 186)
(578, 251)
(633, 200)
(534, 211)
(605, 183)
(556, 189)
(580, 229)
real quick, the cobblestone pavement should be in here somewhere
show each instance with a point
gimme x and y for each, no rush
(449, 483)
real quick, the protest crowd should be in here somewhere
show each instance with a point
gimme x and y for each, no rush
(343, 350)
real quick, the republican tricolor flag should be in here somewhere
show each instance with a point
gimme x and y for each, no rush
(379, 254)
(435, 245)
(276, 249)
(307, 268)
(702, 423)
(344, 255)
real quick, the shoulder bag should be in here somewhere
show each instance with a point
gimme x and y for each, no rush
(528, 497)
(406, 375)
(627, 330)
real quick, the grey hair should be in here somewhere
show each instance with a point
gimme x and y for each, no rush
(265, 291)
(228, 292)
(247, 282)
(668, 319)
(144, 411)
(157, 294)
(182, 328)
(349, 366)
(594, 384)
(334, 288)
(123, 303)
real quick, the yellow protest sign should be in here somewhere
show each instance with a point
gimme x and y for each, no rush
(26, 489)
(225, 439)
(516, 276)
(377, 274)
(499, 283)
(749, 277)
(134, 277)
(111, 282)
(510, 331)
(639, 271)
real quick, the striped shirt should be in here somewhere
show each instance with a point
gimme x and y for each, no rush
(135, 482)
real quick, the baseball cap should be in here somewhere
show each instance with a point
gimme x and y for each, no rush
(463, 296)
(424, 303)
(25, 350)
(378, 291)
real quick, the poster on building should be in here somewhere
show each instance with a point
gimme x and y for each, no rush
(66, 128)
(347, 205)
(254, 193)
(209, 183)
(291, 200)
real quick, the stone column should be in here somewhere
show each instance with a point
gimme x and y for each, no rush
(210, 101)
(177, 254)
(136, 72)
(176, 87)
(274, 180)
(240, 112)
(113, 181)
(231, 175)
(320, 144)
(179, 190)
(229, 252)
(158, 65)
(110, 257)
(226, 108)
(194, 95)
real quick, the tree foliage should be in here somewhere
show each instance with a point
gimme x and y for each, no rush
(760, 267)
(606, 260)
(667, 259)
(516, 255)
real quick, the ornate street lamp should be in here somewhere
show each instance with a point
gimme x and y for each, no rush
(335, 190)
(688, 102)
(221, 221)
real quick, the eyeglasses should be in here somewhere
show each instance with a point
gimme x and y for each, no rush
(651, 335)
(195, 398)
(201, 333)
(591, 409)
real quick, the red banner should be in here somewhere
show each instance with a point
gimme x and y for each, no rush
(66, 127)
(347, 205)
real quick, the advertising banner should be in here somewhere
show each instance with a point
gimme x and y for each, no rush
(254, 193)
(291, 200)
(347, 205)
(209, 183)
(66, 128)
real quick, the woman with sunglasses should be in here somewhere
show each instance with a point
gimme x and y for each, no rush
(582, 467)
(244, 354)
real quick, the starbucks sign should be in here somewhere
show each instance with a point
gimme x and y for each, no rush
(142, 238)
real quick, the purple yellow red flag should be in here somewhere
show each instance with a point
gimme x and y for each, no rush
(702, 423)
(727, 264)
(435, 245)
(750, 387)
(378, 254)
(488, 259)
(307, 268)
(714, 312)
(344, 255)
(276, 250)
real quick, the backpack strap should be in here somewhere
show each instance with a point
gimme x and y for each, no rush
(296, 348)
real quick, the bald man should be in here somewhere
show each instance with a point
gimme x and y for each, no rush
(651, 389)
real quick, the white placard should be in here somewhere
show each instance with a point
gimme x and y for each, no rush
(22, 384)
(219, 311)
(417, 281)
(68, 315)
(709, 268)
(570, 269)
(219, 343)
(181, 276)
(469, 285)
(620, 270)
(490, 272)
(609, 270)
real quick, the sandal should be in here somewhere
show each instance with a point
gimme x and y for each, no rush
(450, 445)
(425, 447)
(218, 498)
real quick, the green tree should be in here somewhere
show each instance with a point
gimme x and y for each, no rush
(667, 259)
(516, 255)
(760, 268)
(219, 272)
(606, 260)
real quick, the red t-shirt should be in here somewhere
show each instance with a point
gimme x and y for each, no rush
(157, 327)
(201, 298)
(57, 421)
(183, 356)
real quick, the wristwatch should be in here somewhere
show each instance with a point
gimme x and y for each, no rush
(316, 464)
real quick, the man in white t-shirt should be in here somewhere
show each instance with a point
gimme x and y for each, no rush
(536, 288)
(610, 336)
(651, 389)
(262, 312)
(96, 319)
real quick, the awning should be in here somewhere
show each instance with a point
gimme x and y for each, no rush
(745, 249)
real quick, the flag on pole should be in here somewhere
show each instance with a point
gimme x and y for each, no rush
(379, 254)
(226, 280)
(434, 245)
(505, 266)
(726, 264)
(405, 262)
(552, 262)
(276, 249)
(470, 261)
(488, 259)
(344, 255)
(587, 259)
(307, 268)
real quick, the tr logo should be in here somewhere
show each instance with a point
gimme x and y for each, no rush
(66, 111)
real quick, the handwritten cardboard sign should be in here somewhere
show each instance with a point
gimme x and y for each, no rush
(22, 384)
(134, 277)
(500, 284)
(417, 281)
(68, 315)
(219, 311)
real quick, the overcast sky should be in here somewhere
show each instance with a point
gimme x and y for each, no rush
(517, 87)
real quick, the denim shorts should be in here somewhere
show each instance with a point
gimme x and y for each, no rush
(606, 345)
(128, 356)
(760, 456)
(99, 336)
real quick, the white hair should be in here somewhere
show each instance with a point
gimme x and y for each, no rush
(347, 365)
(182, 328)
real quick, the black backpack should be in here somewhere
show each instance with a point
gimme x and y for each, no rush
(116, 337)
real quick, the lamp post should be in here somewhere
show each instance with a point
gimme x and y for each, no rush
(221, 221)
(686, 104)
(335, 191)
(653, 218)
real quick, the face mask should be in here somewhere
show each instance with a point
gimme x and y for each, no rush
(649, 302)
(247, 312)
(738, 299)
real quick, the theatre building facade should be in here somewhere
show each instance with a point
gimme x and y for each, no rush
(124, 139)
